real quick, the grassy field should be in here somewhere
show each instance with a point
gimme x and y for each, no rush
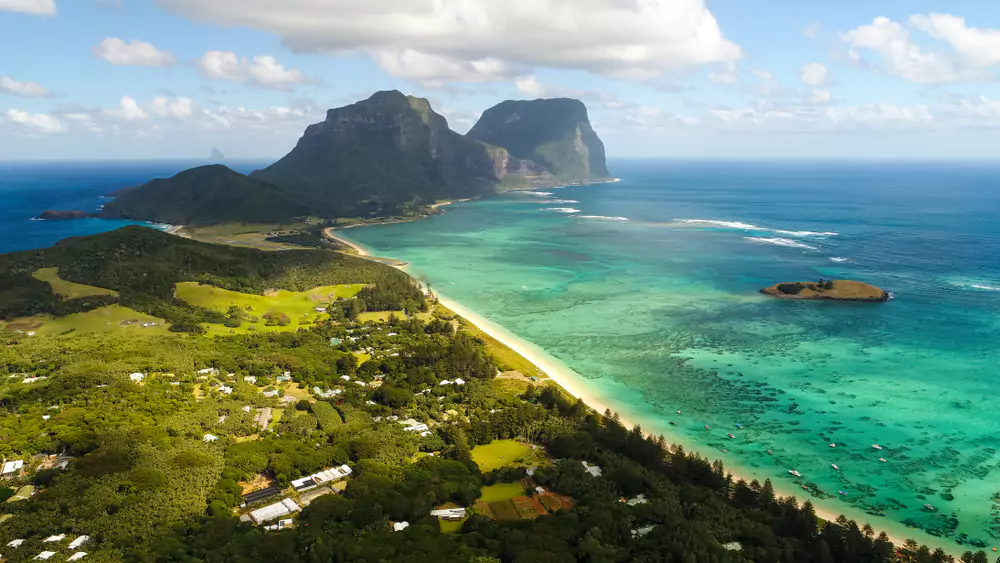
(381, 316)
(103, 319)
(506, 359)
(501, 453)
(298, 305)
(241, 234)
(68, 289)
(448, 527)
(502, 491)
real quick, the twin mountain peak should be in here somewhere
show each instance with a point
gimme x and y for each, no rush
(385, 156)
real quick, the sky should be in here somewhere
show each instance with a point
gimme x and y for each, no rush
(144, 79)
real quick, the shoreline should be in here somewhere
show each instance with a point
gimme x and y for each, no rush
(571, 382)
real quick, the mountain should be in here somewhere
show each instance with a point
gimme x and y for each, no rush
(380, 156)
(206, 195)
(554, 134)
(216, 155)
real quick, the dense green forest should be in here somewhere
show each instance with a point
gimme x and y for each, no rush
(144, 265)
(147, 443)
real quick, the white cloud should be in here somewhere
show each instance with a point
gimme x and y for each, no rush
(724, 77)
(973, 52)
(128, 110)
(133, 53)
(530, 86)
(806, 118)
(34, 122)
(819, 97)
(23, 89)
(177, 108)
(812, 31)
(480, 40)
(814, 74)
(654, 118)
(263, 70)
(34, 7)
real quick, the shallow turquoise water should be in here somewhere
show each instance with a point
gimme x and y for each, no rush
(661, 315)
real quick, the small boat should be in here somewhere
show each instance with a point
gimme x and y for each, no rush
(725, 451)
(876, 446)
(805, 488)
(739, 426)
(672, 423)
(834, 465)
(524, 287)
(929, 507)
(706, 427)
(882, 459)
(795, 473)
(768, 452)
(730, 435)
(678, 412)
(833, 445)
(843, 493)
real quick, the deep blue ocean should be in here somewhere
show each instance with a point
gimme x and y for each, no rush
(648, 289)
(27, 189)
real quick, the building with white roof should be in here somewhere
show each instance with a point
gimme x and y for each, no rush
(225, 389)
(449, 513)
(137, 377)
(12, 467)
(15, 543)
(78, 542)
(77, 556)
(50, 539)
(210, 438)
(459, 381)
(45, 555)
(272, 511)
(250, 379)
(400, 526)
(594, 470)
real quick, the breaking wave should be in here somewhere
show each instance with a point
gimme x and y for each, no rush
(781, 242)
(602, 218)
(749, 227)
(839, 259)
(562, 209)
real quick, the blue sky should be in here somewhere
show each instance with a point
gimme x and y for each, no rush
(115, 79)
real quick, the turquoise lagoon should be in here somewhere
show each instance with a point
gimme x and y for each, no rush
(648, 288)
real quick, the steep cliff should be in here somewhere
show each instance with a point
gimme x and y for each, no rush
(379, 156)
(554, 135)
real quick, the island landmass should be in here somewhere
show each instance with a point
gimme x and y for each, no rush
(830, 290)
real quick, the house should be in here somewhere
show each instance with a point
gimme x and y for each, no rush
(459, 381)
(361, 383)
(45, 555)
(732, 546)
(281, 525)
(208, 371)
(15, 543)
(251, 379)
(531, 471)
(642, 531)
(78, 542)
(12, 468)
(210, 438)
(51, 539)
(539, 490)
(450, 514)
(272, 511)
(257, 496)
(400, 526)
(77, 556)
(411, 425)
(46, 417)
(271, 394)
(137, 377)
(594, 470)
(222, 418)
(345, 378)
(335, 341)
(392, 334)
(639, 499)
(304, 484)
(445, 382)
(425, 433)
(283, 378)
(225, 390)
(320, 309)
(247, 408)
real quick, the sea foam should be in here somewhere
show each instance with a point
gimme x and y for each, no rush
(781, 242)
(839, 259)
(749, 227)
(602, 218)
(562, 209)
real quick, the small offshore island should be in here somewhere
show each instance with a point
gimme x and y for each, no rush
(831, 290)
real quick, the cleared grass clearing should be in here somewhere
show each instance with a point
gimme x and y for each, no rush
(103, 319)
(503, 453)
(299, 306)
(68, 289)
(451, 527)
(502, 491)
(380, 316)
(242, 234)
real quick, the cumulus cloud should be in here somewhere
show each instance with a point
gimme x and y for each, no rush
(23, 89)
(128, 109)
(262, 70)
(33, 7)
(34, 122)
(806, 118)
(133, 53)
(431, 42)
(819, 97)
(177, 108)
(530, 86)
(971, 55)
(814, 74)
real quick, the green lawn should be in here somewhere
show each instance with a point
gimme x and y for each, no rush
(102, 319)
(241, 234)
(68, 289)
(381, 316)
(300, 306)
(502, 491)
(501, 453)
(448, 527)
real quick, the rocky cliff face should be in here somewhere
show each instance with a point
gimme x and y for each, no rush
(555, 135)
(380, 156)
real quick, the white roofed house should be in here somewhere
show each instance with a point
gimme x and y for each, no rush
(449, 513)
(77, 556)
(137, 377)
(225, 390)
(210, 438)
(251, 379)
(594, 470)
(45, 555)
(15, 543)
(12, 468)
(459, 381)
(51, 539)
(272, 511)
(78, 542)
(400, 526)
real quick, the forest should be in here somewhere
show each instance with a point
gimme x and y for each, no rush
(148, 443)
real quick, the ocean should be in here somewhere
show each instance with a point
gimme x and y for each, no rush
(27, 189)
(648, 288)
